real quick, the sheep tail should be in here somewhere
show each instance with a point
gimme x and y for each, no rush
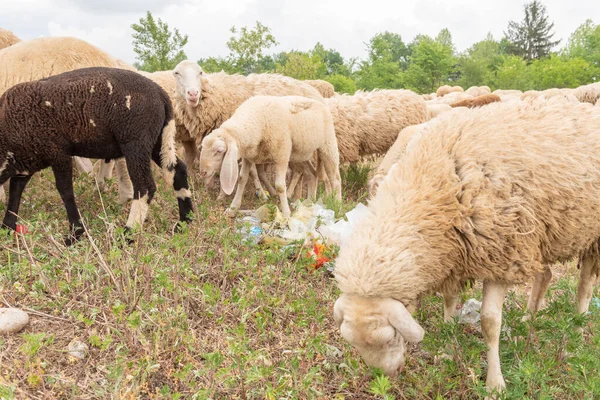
(168, 157)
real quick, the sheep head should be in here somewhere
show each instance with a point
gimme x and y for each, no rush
(377, 328)
(219, 151)
(188, 76)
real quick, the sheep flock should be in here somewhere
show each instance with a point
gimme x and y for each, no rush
(467, 186)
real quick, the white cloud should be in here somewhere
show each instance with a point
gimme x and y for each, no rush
(340, 24)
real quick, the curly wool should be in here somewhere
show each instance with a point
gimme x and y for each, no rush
(588, 93)
(369, 122)
(222, 94)
(43, 57)
(491, 193)
(7, 38)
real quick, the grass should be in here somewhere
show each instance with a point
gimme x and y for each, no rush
(199, 315)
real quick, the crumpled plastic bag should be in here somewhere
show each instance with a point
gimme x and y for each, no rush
(339, 232)
(469, 313)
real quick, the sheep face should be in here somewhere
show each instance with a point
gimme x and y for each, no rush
(188, 76)
(219, 151)
(377, 328)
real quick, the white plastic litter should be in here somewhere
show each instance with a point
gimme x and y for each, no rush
(339, 232)
(469, 314)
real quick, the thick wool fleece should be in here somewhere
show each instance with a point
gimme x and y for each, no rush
(369, 123)
(478, 101)
(222, 94)
(491, 193)
(325, 88)
(43, 57)
(7, 38)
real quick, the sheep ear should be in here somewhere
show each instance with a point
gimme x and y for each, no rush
(229, 168)
(403, 322)
(338, 314)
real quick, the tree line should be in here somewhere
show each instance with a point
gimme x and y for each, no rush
(524, 58)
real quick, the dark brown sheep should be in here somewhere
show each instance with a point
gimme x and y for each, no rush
(95, 112)
(478, 101)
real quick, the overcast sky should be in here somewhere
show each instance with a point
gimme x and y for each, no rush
(344, 25)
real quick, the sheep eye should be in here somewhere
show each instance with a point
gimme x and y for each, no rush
(176, 73)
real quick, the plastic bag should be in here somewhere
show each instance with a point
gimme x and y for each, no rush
(469, 314)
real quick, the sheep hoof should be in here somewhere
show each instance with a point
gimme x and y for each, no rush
(231, 212)
(128, 235)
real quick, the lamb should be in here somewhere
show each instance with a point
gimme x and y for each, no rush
(40, 58)
(494, 194)
(91, 112)
(369, 123)
(325, 88)
(271, 129)
(479, 101)
(7, 38)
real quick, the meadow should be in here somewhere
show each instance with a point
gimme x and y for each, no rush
(204, 315)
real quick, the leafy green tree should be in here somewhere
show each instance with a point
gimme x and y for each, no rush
(532, 38)
(213, 64)
(479, 63)
(388, 57)
(301, 65)
(247, 46)
(585, 43)
(432, 63)
(560, 72)
(157, 47)
(512, 74)
(342, 83)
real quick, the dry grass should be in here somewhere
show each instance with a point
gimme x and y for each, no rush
(201, 315)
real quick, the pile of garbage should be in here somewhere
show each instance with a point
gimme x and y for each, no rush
(311, 225)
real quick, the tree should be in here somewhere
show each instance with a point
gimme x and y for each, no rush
(532, 38)
(157, 48)
(432, 63)
(247, 47)
(301, 65)
(388, 57)
(342, 84)
(479, 63)
(585, 43)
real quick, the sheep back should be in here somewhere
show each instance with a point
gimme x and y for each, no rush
(491, 194)
(325, 88)
(369, 123)
(478, 101)
(39, 58)
(7, 38)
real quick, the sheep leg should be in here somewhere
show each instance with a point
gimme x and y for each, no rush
(241, 186)
(105, 170)
(298, 189)
(125, 185)
(450, 303)
(333, 172)
(280, 172)
(587, 277)
(144, 187)
(261, 193)
(538, 291)
(63, 175)
(296, 176)
(84, 165)
(175, 172)
(491, 322)
(17, 185)
(189, 153)
(3, 189)
(262, 175)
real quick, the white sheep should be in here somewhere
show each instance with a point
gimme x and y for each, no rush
(493, 194)
(271, 129)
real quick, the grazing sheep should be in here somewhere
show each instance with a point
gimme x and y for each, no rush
(205, 101)
(91, 112)
(325, 88)
(271, 129)
(493, 194)
(369, 122)
(477, 91)
(479, 101)
(588, 93)
(7, 38)
(43, 57)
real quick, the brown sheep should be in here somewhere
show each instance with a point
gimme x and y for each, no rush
(478, 101)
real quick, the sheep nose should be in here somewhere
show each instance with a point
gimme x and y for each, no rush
(192, 93)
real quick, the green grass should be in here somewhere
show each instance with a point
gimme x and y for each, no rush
(199, 315)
